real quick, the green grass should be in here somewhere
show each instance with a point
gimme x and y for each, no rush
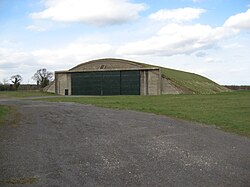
(192, 83)
(4, 111)
(20, 181)
(228, 111)
(22, 94)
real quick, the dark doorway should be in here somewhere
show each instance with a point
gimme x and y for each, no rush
(106, 83)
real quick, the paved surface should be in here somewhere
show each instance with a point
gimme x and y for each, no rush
(66, 144)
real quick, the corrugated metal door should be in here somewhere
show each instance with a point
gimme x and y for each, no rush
(111, 83)
(130, 83)
(106, 83)
(88, 83)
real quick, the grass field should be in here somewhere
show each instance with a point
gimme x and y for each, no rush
(4, 111)
(22, 94)
(228, 111)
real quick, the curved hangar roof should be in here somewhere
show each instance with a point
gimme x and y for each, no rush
(110, 64)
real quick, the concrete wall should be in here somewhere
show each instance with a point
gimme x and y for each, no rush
(144, 82)
(62, 82)
(154, 82)
(50, 88)
(150, 82)
(168, 88)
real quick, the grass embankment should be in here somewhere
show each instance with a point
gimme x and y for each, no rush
(192, 83)
(228, 111)
(4, 111)
(23, 94)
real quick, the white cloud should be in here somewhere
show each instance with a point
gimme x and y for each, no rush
(175, 39)
(35, 28)
(13, 61)
(233, 46)
(11, 58)
(71, 54)
(177, 15)
(97, 12)
(212, 60)
(239, 21)
(25, 63)
(8, 43)
(201, 54)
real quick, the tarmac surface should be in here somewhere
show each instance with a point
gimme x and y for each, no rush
(67, 144)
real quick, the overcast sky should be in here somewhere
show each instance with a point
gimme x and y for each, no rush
(208, 37)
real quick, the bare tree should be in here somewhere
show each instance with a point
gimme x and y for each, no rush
(43, 77)
(5, 81)
(16, 80)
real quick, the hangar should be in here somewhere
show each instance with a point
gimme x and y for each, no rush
(112, 77)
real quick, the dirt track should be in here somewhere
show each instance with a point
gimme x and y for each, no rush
(66, 144)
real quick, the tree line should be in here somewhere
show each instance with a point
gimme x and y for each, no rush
(42, 76)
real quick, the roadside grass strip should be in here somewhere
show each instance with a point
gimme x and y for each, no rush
(20, 181)
(23, 94)
(4, 111)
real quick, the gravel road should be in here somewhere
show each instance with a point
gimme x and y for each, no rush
(67, 144)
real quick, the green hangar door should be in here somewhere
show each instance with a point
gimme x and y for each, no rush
(106, 83)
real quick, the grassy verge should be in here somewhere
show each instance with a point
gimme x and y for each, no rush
(20, 181)
(22, 94)
(228, 111)
(4, 111)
